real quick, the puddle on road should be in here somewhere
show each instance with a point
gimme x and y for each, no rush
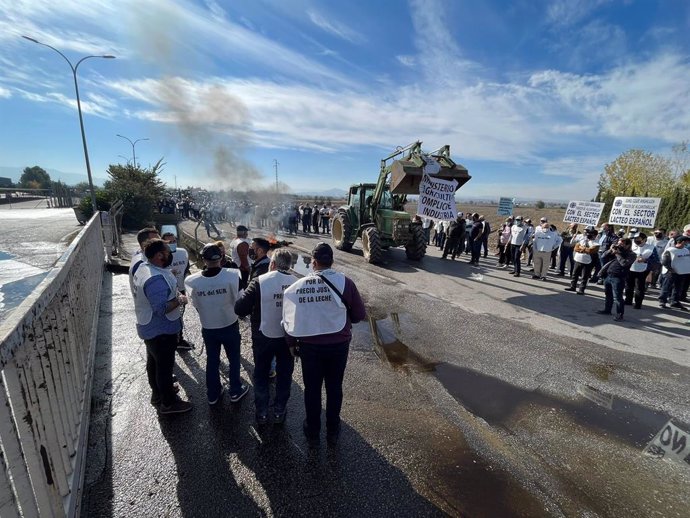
(301, 264)
(386, 333)
(502, 404)
(602, 371)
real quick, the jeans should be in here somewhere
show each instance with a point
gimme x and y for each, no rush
(323, 364)
(476, 251)
(672, 287)
(160, 360)
(613, 288)
(581, 269)
(635, 285)
(325, 225)
(566, 255)
(264, 349)
(485, 243)
(517, 257)
(229, 339)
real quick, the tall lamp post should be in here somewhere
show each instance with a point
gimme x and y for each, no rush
(81, 118)
(134, 156)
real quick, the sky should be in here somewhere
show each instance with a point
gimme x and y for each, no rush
(533, 96)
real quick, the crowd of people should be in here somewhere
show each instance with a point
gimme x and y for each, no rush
(309, 318)
(627, 264)
(209, 209)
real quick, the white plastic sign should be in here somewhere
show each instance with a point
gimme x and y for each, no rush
(505, 206)
(437, 198)
(583, 212)
(634, 212)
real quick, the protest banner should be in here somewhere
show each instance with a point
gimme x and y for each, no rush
(583, 212)
(437, 198)
(634, 212)
(505, 206)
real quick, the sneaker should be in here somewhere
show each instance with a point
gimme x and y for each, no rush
(663, 305)
(184, 345)
(603, 312)
(512, 273)
(279, 417)
(543, 278)
(569, 288)
(235, 398)
(504, 266)
(580, 292)
(618, 317)
(680, 306)
(535, 276)
(516, 275)
(220, 395)
(177, 407)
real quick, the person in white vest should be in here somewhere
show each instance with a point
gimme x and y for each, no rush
(676, 269)
(544, 242)
(213, 293)
(318, 313)
(263, 299)
(659, 241)
(585, 249)
(180, 269)
(137, 256)
(636, 282)
(157, 307)
(518, 244)
(240, 249)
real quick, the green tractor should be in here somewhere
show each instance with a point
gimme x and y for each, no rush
(376, 212)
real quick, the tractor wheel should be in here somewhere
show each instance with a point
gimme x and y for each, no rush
(341, 231)
(371, 245)
(416, 248)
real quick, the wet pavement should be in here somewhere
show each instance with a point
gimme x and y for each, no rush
(32, 239)
(456, 402)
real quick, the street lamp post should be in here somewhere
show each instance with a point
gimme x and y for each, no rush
(134, 156)
(81, 118)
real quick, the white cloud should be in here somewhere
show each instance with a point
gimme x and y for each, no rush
(406, 60)
(571, 12)
(5, 93)
(334, 27)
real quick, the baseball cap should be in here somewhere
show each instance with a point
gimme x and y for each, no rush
(544, 220)
(322, 252)
(242, 228)
(519, 218)
(211, 252)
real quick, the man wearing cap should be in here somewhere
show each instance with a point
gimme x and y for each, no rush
(518, 233)
(676, 269)
(213, 293)
(617, 261)
(260, 246)
(504, 255)
(180, 269)
(240, 252)
(318, 313)
(485, 235)
(636, 283)
(585, 249)
(659, 242)
(544, 241)
(263, 299)
(157, 307)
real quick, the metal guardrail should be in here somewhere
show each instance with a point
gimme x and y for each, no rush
(47, 350)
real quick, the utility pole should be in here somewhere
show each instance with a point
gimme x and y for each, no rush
(275, 167)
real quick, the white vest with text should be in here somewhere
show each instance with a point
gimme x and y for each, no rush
(272, 286)
(214, 297)
(680, 260)
(311, 308)
(233, 250)
(179, 265)
(142, 306)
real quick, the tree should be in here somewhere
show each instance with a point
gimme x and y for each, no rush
(540, 204)
(138, 188)
(637, 171)
(35, 178)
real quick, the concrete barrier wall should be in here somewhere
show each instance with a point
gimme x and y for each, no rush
(46, 359)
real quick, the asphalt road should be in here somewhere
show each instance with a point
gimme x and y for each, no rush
(463, 396)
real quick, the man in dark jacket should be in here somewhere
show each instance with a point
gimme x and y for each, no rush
(617, 262)
(260, 246)
(456, 231)
(476, 239)
(606, 239)
(485, 235)
(263, 299)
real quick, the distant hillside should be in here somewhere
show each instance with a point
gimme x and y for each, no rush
(69, 178)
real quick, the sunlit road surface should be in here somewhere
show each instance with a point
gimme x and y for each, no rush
(468, 393)
(32, 239)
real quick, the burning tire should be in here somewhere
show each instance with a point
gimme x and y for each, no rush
(416, 249)
(371, 245)
(341, 231)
